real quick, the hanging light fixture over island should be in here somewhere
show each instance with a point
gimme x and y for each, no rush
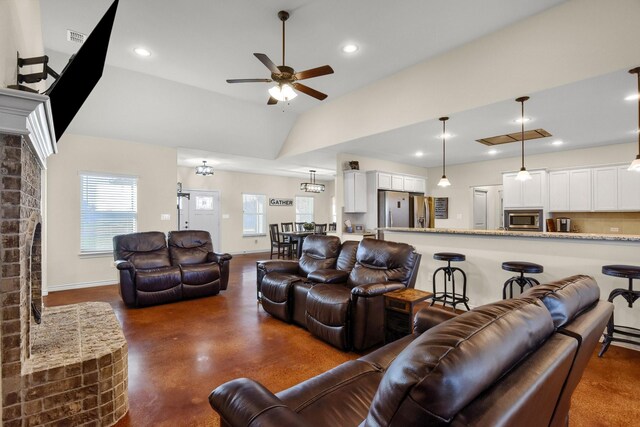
(635, 165)
(444, 181)
(523, 175)
(311, 186)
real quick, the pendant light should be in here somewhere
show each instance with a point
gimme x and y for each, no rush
(312, 186)
(523, 175)
(635, 165)
(204, 169)
(444, 182)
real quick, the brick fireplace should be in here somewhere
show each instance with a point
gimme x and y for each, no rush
(70, 369)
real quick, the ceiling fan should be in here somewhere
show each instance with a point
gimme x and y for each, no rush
(286, 77)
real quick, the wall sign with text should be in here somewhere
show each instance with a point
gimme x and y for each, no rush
(442, 207)
(280, 202)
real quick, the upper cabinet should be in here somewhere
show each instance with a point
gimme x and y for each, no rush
(399, 182)
(608, 189)
(355, 191)
(524, 194)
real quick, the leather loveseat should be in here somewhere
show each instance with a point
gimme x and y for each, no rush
(152, 272)
(511, 363)
(335, 290)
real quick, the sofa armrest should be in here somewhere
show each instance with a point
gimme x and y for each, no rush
(124, 265)
(243, 402)
(278, 266)
(328, 275)
(375, 289)
(219, 258)
(223, 261)
(127, 281)
(428, 317)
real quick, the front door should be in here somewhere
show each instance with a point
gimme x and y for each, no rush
(202, 212)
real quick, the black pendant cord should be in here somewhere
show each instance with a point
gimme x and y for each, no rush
(444, 121)
(283, 43)
(521, 100)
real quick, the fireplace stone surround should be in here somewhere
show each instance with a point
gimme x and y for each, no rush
(72, 368)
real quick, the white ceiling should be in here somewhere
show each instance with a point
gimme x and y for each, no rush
(178, 97)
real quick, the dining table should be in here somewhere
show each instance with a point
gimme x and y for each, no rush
(299, 237)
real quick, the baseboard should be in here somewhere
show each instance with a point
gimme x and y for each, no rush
(257, 251)
(69, 286)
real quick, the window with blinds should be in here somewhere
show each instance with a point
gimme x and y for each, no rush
(254, 219)
(109, 206)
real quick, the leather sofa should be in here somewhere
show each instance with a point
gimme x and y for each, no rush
(335, 291)
(152, 272)
(511, 363)
(283, 285)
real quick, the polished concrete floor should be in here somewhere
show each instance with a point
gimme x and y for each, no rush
(179, 352)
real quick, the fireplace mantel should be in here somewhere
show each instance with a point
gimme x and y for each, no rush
(29, 114)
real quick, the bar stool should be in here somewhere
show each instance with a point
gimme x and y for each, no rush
(629, 272)
(522, 281)
(445, 296)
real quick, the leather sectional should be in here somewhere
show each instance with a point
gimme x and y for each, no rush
(511, 363)
(154, 272)
(336, 290)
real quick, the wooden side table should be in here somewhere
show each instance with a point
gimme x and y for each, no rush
(398, 312)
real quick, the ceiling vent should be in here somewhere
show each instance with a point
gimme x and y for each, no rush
(514, 137)
(75, 36)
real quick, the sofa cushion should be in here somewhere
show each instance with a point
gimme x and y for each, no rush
(328, 275)
(328, 304)
(318, 251)
(200, 274)
(379, 261)
(189, 246)
(437, 374)
(144, 250)
(567, 298)
(157, 279)
(347, 257)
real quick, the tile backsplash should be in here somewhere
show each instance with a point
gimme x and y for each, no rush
(603, 222)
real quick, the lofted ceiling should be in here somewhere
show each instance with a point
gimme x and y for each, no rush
(178, 96)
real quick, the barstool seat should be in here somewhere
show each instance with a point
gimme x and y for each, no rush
(446, 296)
(521, 267)
(448, 256)
(629, 272)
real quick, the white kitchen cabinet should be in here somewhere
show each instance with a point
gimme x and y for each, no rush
(384, 181)
(559, 191)
(605, 188)
(397, 182)
(580, 190)
(421, 185)
(628, 189)
(524, 194)
(355, 191)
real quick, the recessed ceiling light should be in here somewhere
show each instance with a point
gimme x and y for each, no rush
(522, 119)
(419, 154)
(632, 97)
(492, 152)
(557, 142)
(350, 48)
(142, 51)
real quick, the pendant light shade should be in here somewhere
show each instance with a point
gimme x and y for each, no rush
(444, 181)
(523, 175)
(311, 186)
(204, 169)
(282, 92)
(635, 165)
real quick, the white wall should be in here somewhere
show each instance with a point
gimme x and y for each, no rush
(20, 31)
(231, 185)
(465, 176)
(155, 168)
(574, 41)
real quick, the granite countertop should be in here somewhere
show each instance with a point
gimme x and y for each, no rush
(506, 233)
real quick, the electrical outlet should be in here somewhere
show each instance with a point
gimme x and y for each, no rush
(225, 216)
(459, 216)
(165, 217)
(614, 229)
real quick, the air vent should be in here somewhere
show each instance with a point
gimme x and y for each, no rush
(514, 137)
(75, 36)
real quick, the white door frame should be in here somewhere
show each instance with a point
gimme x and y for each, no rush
(215, 234)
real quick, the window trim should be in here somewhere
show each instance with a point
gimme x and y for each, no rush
(313, 213)
(264, 215)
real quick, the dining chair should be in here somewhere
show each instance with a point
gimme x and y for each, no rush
(287, 227)
(299, 226)
(332, 226)
(283, 249)
(320, 228)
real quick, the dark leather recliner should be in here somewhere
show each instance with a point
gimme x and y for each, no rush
(513, 362)
(351, 314)
(283, 285)
(153, 273)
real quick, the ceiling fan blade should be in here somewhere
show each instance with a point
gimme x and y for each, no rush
(249, 81)
(314, 72)
(267, 62)
(311, 92)
(272, 101)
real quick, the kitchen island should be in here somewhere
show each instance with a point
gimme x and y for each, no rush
(561, 254)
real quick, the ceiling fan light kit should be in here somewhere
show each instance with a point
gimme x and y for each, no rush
(285, 77)
(635, 165)
(204, 169)
(312, 186)
(524, 174)
(444, 181)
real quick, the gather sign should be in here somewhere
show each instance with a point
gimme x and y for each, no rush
(280, 202)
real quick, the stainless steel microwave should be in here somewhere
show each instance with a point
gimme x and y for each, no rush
(523, 220)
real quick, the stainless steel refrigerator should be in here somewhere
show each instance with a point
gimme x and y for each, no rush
(421, 211)
(393, 209)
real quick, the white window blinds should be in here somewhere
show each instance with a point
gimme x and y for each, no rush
(109, 205)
